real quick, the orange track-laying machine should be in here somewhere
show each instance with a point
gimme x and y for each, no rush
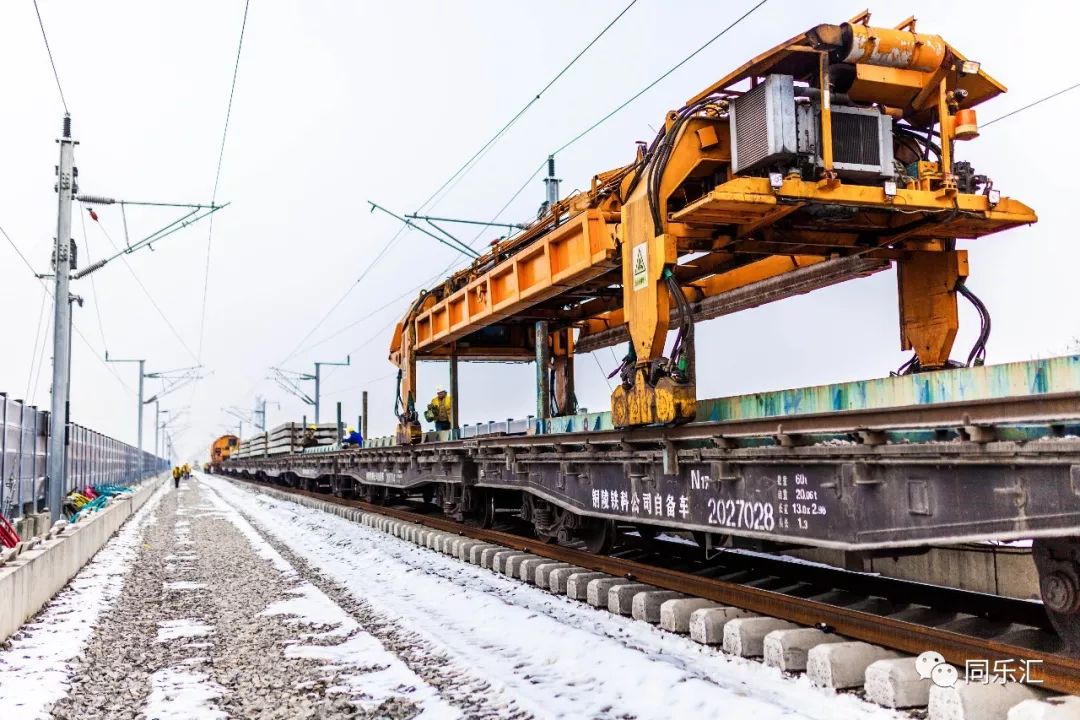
(828, 157)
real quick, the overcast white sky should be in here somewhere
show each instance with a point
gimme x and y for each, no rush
(340, 102)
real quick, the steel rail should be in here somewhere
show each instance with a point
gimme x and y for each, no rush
(1058, 672)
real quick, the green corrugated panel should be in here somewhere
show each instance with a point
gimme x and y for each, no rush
(1032, 377)
(583, 422)
(989, 382)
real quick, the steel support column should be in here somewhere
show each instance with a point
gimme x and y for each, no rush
(543, 375)
(454, 424)
(65, 188)
(363, 416)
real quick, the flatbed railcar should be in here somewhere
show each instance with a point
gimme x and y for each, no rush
(887, 465)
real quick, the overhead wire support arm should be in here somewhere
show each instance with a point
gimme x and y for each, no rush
(447, 233)
(100, 200)
(174, 372)
(431, 219)
(455, 245)
(432, 222)
(179, 383)
(195, 214)
(239, 414)
(287, 379)
(173, 380)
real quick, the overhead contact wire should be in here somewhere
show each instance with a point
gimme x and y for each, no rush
(217, 180)
(52, 62)
(468, 164)
(658, 80)
(75, 327)
(93, 283)
(149, 296)
(1030, 105)
(300, 345)
(454, 178)
(34, 347)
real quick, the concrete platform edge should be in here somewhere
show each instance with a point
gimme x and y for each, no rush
(37, 575)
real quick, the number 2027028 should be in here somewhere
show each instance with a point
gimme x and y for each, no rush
(748, 514)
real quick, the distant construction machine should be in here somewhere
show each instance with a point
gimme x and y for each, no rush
(829, 157)
(222, 449)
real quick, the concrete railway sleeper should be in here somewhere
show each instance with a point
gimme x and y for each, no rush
(841, 647)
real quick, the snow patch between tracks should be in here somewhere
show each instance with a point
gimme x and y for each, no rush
(178, 694)
(182, 628)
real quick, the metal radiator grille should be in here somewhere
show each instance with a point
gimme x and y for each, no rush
(855, 139)
(753, 135)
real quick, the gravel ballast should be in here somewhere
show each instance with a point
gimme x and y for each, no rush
(213, 623)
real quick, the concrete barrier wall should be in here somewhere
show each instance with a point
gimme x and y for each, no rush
(36, 575)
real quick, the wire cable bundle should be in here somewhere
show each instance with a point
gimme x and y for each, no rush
(93, 498)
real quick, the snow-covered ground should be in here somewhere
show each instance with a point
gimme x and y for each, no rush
(36, 666)
(554, 657)
(217, 602)
(211, 623)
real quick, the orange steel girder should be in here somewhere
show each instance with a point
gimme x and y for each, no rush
(575, 252)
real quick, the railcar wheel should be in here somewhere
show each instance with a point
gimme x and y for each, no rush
(597, 535)
(1058, 563)
(481, 507)
(342, 487)
(375, 494)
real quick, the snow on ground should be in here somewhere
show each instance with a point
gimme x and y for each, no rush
(554, 656)
(366, 668)
(182, 628)
(179, 694)
(384, 673)
(310, 606)
(34, 669)
(183, 585)
(261, 547)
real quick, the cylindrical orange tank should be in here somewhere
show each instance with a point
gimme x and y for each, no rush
(893, 48)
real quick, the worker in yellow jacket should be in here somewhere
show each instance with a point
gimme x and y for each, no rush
(440, 409)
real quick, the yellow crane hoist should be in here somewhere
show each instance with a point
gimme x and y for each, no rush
(830, 156)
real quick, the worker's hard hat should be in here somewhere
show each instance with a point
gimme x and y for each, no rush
(439, 389)
(313, 426)
(352, 429)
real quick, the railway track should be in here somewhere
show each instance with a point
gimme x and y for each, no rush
(1056, 671)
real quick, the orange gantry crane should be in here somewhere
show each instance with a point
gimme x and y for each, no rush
(831, 156)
